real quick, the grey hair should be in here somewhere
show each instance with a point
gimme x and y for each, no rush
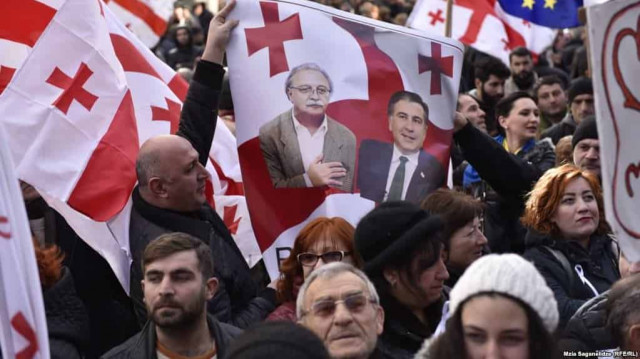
(307, 66)
(329, 271)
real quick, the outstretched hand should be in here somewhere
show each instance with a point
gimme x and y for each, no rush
(219, 31)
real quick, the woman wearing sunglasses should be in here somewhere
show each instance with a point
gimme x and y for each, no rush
(323, 240)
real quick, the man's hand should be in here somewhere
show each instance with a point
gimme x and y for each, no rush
(459, 121)
(322, 174)
(218, 36)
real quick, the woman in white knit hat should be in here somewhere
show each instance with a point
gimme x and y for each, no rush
(500, 308)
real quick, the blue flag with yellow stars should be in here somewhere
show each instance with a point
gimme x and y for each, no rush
(550, 13)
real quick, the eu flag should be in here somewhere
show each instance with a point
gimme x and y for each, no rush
(550, 13)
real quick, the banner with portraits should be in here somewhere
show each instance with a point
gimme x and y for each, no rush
(614, 38)
(335, 113)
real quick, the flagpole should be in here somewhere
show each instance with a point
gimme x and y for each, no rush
(447, 25)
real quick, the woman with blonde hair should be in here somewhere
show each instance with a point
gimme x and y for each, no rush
(568, 240)
(321, 241)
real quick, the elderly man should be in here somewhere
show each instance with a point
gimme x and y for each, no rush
(170, 193)
(586, 146)
(401, 170)
(341, 305)
(489, 77)
(522, 75)
(551, 99)
(580, 106)
(178, 281)
(303, 147)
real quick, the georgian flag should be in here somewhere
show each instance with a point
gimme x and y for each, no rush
(79, 96)
(482, 24)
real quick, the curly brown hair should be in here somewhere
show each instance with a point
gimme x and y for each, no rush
(334, 231)
(546, 195)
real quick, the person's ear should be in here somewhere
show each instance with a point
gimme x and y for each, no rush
(502, 121)
(212, 287)
(157, 187)
(633, 335)
(478, 84)
(391, 276)
(379, 319)
(142, 285)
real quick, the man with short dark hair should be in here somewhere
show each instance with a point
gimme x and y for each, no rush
(580, 106)
(470, 108)
(170, 196)
(522, 75)
(551, 99)
(489, 77)
(401, 170)
(178, 281)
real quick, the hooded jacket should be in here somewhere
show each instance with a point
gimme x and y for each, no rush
(598, 262)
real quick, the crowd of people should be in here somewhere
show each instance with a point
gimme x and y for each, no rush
(516, 261)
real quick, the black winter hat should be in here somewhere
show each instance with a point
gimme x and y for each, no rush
(280, 339)
(580, 86)
(586, 129)
(391, 231)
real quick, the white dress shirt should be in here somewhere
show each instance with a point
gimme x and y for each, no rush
(409, 168)
(311, 146)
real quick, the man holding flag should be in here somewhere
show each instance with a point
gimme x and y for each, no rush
(170, 193)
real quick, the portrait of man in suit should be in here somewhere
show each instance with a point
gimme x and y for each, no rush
(303, 147)
(401, 170)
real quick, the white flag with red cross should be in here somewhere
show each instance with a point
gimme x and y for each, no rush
(23, 325)
(367, 62)
(80, 98)
(145, 18)
(483, 25)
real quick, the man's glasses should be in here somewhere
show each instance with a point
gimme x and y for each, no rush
(354, 303)
(307, 90)
(310, 259)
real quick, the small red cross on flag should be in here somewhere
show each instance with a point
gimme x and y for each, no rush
(73, 88)
(273, 35)
(436, 16)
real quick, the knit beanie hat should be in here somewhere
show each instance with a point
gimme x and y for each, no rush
(580, 86)
(279, 339)
(507, 274)
(391, 231)
(586, 129)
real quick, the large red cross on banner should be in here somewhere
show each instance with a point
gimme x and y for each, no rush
(24, 20)
(481, 9)
(438, 66)
(5, 235)
(21, 325)
(171, 114)
(73, 88)
(273, 35)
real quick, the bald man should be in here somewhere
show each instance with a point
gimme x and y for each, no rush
(170, 193)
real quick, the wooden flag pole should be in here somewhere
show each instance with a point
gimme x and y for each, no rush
(447, 25)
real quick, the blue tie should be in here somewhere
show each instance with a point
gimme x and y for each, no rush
(395, 191)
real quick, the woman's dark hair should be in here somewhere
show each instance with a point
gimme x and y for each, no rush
(450, 344)
(504, 106)
(455, 208)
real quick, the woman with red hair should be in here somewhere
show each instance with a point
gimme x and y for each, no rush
(321, 241)
(569, 241)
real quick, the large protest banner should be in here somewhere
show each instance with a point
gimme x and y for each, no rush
(292, 63)
(79, 93)
(23, 325)
(614, 36)
(482, 24)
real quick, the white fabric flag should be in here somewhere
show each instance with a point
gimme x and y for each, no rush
(613, 35)
(23, 325)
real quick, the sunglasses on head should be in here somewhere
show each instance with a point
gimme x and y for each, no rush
(310, 259)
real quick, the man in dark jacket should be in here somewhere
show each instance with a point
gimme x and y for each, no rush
(178, 280)
(185, 52)
(170, 195)
(580, 106)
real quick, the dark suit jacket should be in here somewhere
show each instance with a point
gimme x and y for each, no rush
(279, 145)
(374, 160)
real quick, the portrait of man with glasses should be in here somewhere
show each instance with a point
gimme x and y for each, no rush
(303, 147)
(340, 304)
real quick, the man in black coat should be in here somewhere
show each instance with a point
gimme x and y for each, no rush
(178, 280)
(170, 195)
(401, 170)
